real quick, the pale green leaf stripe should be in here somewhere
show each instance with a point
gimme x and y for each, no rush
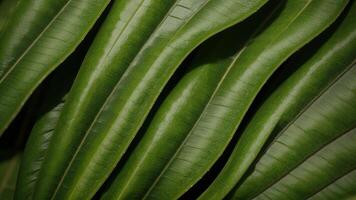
(332, 114)
(342, 188)
(336, 55)
(297, 24)
(101, 146)
(180, 109)
(40, 36)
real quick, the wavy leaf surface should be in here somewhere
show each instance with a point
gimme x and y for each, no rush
(214, 128)
(334, 57)
(180, 109)
(86, 150)
(40, 35)
(327, 118)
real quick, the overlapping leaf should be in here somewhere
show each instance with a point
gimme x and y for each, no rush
(182, 108)
(332, 115)
(342, 188)
(96, 128)
(39, 36)
(211, 132)
(336, 56)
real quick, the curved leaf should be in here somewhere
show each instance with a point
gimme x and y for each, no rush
(323, 167)
(40, 137)
(41, 34)
(328, 117)
(336, 55)
(211, 133)
(54, 90)
(181, 108)
(342, 188)
(78, 162)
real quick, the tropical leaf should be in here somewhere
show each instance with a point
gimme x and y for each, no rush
(329, 117)
(40, 35)
(177, 99)
(77, 162)
(335, 56)
(182, 108)
(342, 188)
(54, 90)
(323, 167)
(236, 91)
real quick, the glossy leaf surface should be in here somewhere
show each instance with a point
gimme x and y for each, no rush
(40, 35)
(328, 117)
(180, 109)
(334, 57)
(210, 134)
(86, 150)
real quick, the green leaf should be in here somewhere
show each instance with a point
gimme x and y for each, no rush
(327, 118)
(7, 8)
(54, 90)
(95, 129)
(40, 35)
(342, 188)
(182, 108)
(334, 57)
(36, 149)
(317, 171)
(297, 24)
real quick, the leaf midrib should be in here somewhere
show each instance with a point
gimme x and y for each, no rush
(114, 89)
(331, 183)
(210, 100)
(298, 117)
(34, 41)
(102, 107)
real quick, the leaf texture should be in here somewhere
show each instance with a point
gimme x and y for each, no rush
(323, 167)
(211, 133)
(327, 118)
(86, 150)
(40, 35)
(335, 56)
(342, 188)
(7, 8)
(180, 109)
